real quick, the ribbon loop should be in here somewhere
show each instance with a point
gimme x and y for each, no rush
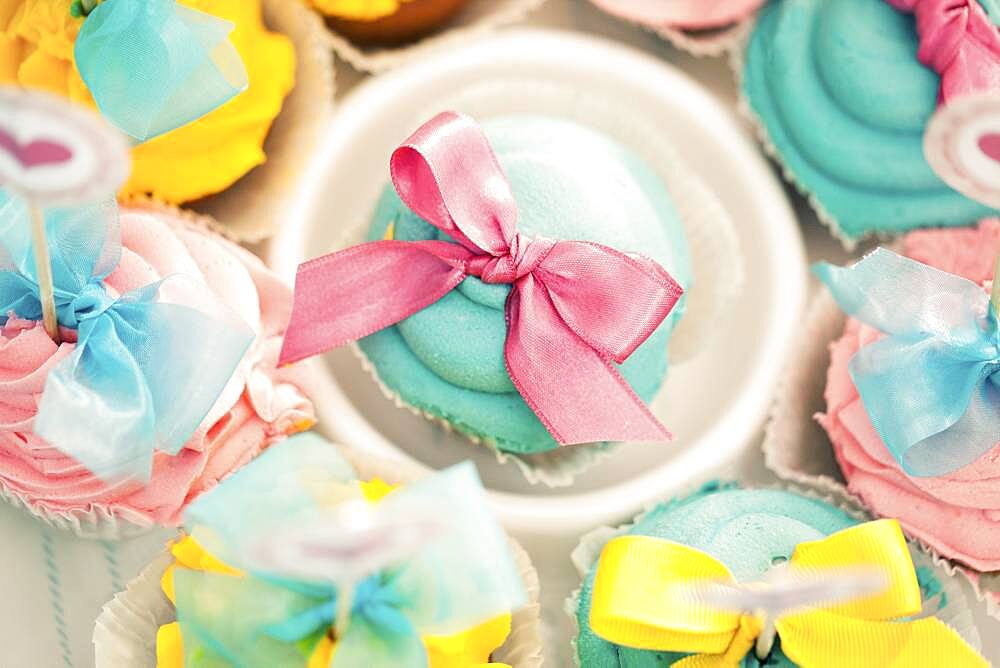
(135, 382)
(645, 596)
(154, 65)
(574, 310)
(927, 386)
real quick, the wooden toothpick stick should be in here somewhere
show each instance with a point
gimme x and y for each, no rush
(43, 267)
(995, 298)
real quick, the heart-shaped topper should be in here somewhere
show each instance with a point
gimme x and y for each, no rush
(55, 153)
(962, 144)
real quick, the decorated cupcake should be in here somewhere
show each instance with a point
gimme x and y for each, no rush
(386, 21)
(297, 560)
(166, 377)
(703, 28)
(523, 295)
(200, 115)
(934, 464)
(826, 589)
(844, 92)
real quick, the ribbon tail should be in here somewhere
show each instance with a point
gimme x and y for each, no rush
(578, 395)
(825, 640)
(348, 295)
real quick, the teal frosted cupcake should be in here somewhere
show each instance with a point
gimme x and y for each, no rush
(844, 101)
(447, 360)
(741, 536)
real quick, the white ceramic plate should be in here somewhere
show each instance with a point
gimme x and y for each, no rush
(714, 403)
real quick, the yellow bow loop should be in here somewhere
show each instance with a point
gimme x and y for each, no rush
(644, 598)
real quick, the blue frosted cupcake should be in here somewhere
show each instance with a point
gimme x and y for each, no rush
(838, 88)
(447, 360)
(748, 532)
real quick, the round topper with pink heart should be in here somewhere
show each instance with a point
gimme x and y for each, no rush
(55, 153)
(962, 144)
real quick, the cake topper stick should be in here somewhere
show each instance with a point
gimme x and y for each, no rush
(43, 269)
(995, 296)
(55, 154)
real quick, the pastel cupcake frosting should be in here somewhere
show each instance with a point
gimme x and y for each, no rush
(570, 183)
(958, 513)
(194, 161)
(260, 405)
(838, 88)
(683, 14)
(749, 531)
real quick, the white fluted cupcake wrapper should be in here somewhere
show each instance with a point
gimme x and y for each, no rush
(125, 633)
(476, 19)
(252, 208)
(957, 614)
(797, 448)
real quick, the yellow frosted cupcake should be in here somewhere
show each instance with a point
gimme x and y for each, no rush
(204, 157)
(386, 22)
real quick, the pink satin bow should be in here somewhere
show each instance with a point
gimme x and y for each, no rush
(958, 41)
(573, 309)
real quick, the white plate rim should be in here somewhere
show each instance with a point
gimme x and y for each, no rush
(741, 424)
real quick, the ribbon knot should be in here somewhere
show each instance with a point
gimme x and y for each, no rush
(575, 307)
(959, 41)
(523, 257)
(645, 596)
(147, 366)
(931, 387)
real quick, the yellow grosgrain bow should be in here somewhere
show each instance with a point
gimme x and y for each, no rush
(642, 599)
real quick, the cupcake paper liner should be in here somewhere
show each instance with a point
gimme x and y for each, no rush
(700, 43)
(125, 634)
(252, 208)
(797, 448)
(958, 613)
(475, 20)
(716, 257)
(99, 521)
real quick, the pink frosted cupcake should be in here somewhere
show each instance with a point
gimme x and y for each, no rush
(957, 513)
(259, 405)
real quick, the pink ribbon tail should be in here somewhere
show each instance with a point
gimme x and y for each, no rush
(348, 295)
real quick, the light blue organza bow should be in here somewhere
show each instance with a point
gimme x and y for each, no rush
(932, 386)
(148, 365)
(153, 65)
(462, 578)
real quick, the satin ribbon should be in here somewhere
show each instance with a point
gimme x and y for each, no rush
(154, 65)
(931, 387)
(642, 599)
(959, 41)
(575, 307)
(461, 579)
(148, 365)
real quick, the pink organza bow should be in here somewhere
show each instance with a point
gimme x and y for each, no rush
(574, 307)
(958, 41)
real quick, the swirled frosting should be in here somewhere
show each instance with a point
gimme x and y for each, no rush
(569, 183)
(196, 160)
(845, 102)
(958, 514)
(261, 404)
